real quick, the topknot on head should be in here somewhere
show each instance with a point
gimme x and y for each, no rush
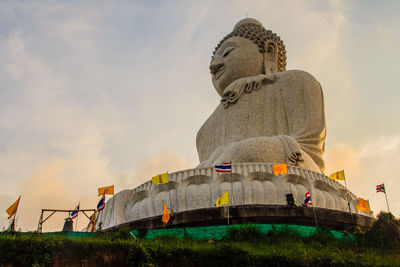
(248, 21)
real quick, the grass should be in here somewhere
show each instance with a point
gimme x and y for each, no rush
(245, 246)
(287, 249)
(270, 250)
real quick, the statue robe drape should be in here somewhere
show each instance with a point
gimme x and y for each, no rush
(276, 120)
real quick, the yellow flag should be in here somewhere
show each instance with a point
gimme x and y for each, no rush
(160, 179)
(165, 217)
(108, 190)
(337, 176)
(363, 205)
(280, 168)
(223, 200)
(13, 208)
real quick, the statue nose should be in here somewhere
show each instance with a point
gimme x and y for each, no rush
(215, 65)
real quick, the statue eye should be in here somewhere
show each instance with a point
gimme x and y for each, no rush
(227, 51)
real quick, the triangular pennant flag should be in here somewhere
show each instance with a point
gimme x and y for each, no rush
(13, 208)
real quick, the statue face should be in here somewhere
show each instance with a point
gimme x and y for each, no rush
(237, 58)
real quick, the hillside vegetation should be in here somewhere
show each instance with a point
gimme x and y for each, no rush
(245, 246)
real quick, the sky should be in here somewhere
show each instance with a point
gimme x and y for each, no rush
(94, 93)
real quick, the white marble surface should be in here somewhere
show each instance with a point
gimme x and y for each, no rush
(266, 114)
(251, 183)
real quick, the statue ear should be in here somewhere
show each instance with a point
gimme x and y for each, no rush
(270, 57)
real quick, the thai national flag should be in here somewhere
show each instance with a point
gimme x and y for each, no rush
(307, 199)
(74, 214)
(224, 167)
(380, 188)
(102, 203)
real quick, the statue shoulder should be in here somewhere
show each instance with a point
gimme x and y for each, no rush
(299, 78)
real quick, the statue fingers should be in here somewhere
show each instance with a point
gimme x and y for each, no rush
(296, 158)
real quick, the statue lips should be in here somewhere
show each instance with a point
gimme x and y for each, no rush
(219, 72)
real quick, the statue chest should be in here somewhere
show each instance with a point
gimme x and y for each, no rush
(253, 115)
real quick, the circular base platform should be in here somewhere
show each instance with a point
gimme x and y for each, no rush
(266, 214)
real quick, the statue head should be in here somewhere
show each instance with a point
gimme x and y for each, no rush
(248, 50)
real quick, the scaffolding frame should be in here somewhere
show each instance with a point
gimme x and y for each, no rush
(41, 220)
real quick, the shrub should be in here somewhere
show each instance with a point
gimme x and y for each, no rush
(322, 236)
(225, 254)
(137, 255)
(123, 233)
(284, 234)
(245, 233)
(385, 232)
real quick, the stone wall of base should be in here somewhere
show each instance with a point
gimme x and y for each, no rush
(248, 184)
(268, 214)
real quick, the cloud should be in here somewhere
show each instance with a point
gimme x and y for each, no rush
(168, 160)
(45, 189)
(374, 162)
(383, 144)
(61, 182)
(343, 156)
(104, 95)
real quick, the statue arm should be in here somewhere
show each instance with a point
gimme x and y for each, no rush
(305, 113)
(278, 149)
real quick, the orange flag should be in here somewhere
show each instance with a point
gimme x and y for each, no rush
(363, 205)
(165, 217)
(108, 190)
(280, 169)
(13, 208)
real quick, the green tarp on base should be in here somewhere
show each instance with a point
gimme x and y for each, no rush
(70, 234)
(220, 231)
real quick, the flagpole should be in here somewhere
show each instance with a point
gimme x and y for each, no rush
(387, 202)
(15, 216)
(113, 203)
(232, 188)
(345, 184)
(113, 207)
(315, 215)
(228, 210)
(77, 216)
(369, 206)
(229, 203)
(162, 202)
(12, 224)
(170, 199)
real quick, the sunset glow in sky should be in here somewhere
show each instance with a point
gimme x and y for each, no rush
(94, 93)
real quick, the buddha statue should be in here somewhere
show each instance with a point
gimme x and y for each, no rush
(266, 114)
